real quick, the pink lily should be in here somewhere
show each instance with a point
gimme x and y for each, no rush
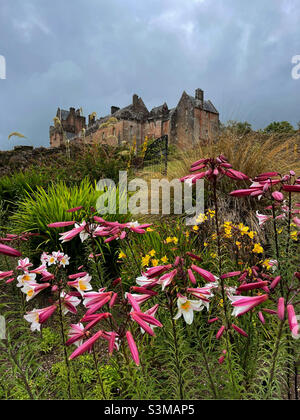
(239, 330)
(167, 278)
(243, 304)
(7, 250)
(204, 273)
(87, 345)
(69, 235)
(293, 322)
(39, 316)
(61, 224)
(281, 308)
(133, 348)
(76, 334)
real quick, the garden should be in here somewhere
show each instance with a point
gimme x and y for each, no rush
(140, 306)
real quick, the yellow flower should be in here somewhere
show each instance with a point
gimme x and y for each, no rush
(195, 228)
(266, 264)
(213, 255)
(122, 255)
(280, 231)
(205, 244)
(238, 244)
(145, 260)
(152, 253)
(221, 303)
(211, 213)
(149, 229)
(214, 236)
(169, 240)
(294, 235)
(251, 234)
(201, 218)
(155, 262)
(175, 240)
(187, 234)
(164, 259)
(243, 229)
(258, 249)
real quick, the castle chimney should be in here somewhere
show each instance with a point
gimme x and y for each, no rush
(199, 94)
(114, 109)
(135, 100)
(92, 119)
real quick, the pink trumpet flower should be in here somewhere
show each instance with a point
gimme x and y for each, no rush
(191, 276)
(74, 209)
(239, 330)
(237, 175)
(262, 218)
(261, 317)
(206, 275)
(70, 234)
(4, 274)
(32, 289)
(231, 274)
(76, 334)
(113, 300)
(278, 196)
(158, 270)
(146, 327)
(243, 304)
(111, 343)
(252, 286)
(10, 252)
(246, 192)
(95, 300)
(87, 345)
(221, 359)
(75, 276)
(133, 348)
(269, 311)
(82, 284)
(132, 302)
(167, 278)
(296, 220)
(291, 188)
(211, 321)
(39, 316)
(275, 282)
(144, 290)
(293, 322)
(61, 224)
(220, 332)
(69, 302)
(281, 308)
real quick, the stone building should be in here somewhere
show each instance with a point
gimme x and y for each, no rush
(193, 120)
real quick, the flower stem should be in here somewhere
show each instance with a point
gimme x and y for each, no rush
(98, 375)
(275, 354)
(64, 344)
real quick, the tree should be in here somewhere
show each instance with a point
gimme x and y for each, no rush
(237, 127)
(282, 127)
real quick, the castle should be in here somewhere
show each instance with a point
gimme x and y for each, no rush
(193, 120)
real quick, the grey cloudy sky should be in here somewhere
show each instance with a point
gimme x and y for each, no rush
(97, 53)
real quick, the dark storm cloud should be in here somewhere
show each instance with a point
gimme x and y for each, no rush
(94, 54)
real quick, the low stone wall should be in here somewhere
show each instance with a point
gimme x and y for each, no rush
(22, 157)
